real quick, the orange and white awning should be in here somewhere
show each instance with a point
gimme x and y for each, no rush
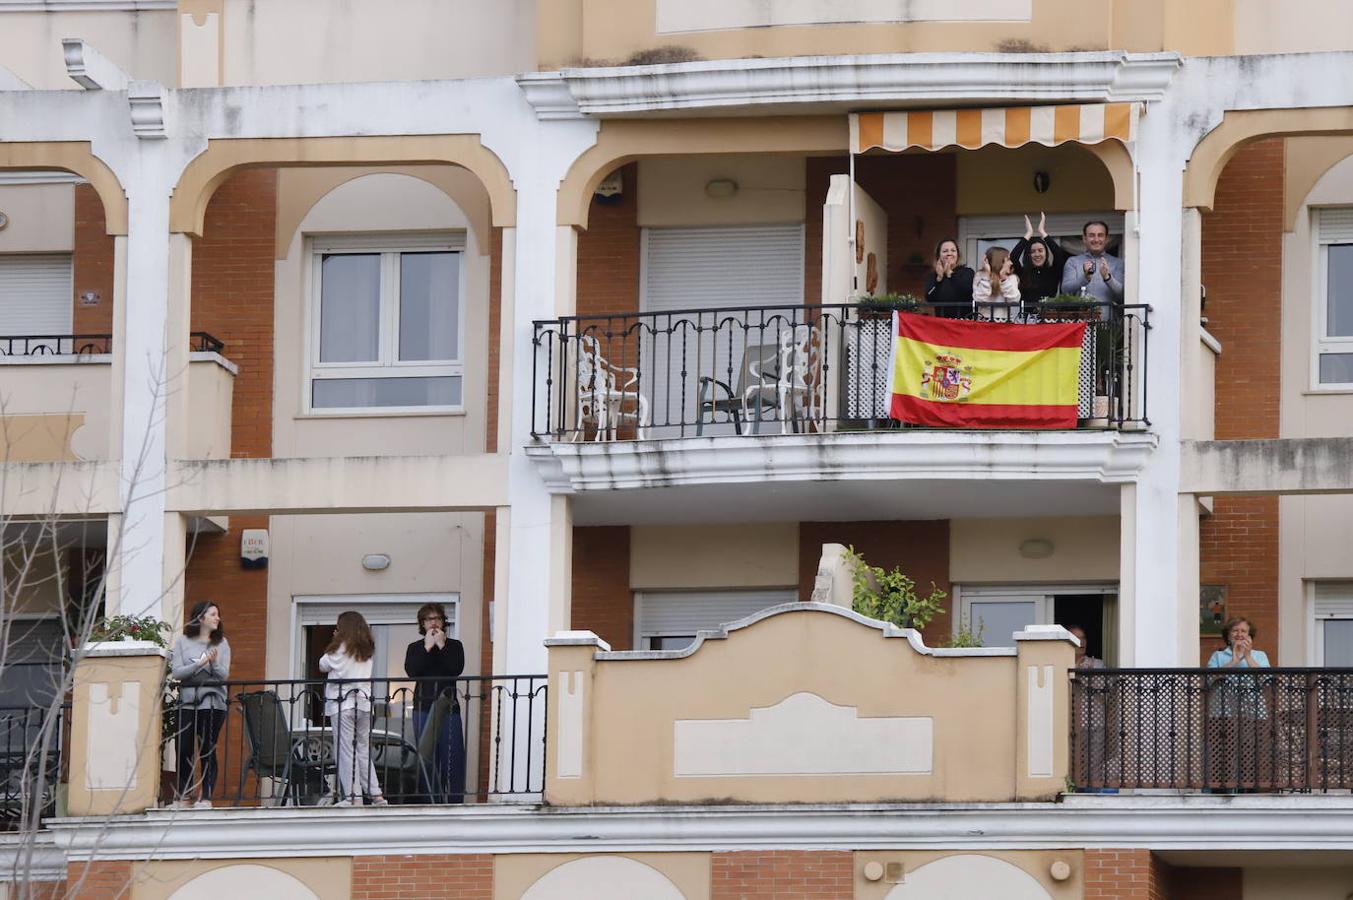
(1014, 126)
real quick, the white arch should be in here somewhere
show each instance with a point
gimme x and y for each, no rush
(969, 876)
(245, 879)
(603, 878)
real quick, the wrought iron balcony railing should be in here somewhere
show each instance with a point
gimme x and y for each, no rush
(86, 344)
(1251, 730)
(792, 368)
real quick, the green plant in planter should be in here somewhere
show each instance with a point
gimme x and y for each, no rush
(136, 628)
(891, 596)
(890, 302)
(965, 636)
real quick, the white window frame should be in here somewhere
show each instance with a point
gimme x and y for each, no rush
(390, 245)
(1322, 343)
(1327, 610)
(1044, 598)
(642, 634)
(364, 604)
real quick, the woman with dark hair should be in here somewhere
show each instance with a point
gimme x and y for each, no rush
(436, 661)
(347, 703)
(200, 661)
(1039, 261)
(950, 283)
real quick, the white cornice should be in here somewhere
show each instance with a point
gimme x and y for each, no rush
(851, 82)
(87, 5)
(1283, 822)
(1105, 457)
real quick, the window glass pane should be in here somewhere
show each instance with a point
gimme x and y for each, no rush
(998, 621)
(350, 307)
(340, 393)
(1340, 286)
(1339, 643)
(1336, 368)
(429, 302)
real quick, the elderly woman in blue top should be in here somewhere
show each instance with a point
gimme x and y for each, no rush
(1239, 651)
(1239, 751)
(200, 660)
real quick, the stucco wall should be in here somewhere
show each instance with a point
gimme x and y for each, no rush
(673, 557)
(322, 555)
(770, 189)
(1262, 26)
(987, 550)
(284, 42)
(41, 217)
(1000, 180)
(1312, 529)
(364, 204)
(142, 44)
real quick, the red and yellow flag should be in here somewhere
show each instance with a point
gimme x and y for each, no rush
(958, 374)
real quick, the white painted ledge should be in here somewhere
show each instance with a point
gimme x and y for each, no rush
(896, 78)
(1194, 822)
(1098, 456)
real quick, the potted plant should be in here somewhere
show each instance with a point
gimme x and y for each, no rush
(1069, 308)
(148, 628)
(891, 595)
(886, 304)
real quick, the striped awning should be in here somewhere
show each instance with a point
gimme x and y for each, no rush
(1014, 126)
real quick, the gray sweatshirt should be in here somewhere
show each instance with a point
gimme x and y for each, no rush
(195, 679)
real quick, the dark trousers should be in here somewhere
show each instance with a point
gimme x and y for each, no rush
(196, 737)
(448, 776)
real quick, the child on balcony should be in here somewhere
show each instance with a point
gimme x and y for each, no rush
(347, 702)
(996, 287)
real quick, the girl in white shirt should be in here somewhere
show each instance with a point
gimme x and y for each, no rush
(996, 286)
(347, 702)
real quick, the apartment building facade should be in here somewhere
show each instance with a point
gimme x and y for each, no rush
(551, 314)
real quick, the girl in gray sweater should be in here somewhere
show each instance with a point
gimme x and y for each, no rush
(200, 661)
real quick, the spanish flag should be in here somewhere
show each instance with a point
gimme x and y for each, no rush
(952, 373)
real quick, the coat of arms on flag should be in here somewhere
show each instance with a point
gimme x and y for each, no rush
(953, 373)
(945, 377)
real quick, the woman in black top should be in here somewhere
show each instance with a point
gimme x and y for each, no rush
(437, 661)
(950, 283)
(1040, 261)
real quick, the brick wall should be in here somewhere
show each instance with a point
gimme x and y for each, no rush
(602, 599)
(494, 341)
(608, 252)
(1125, 874)
(486, 642)
(98, 880)
(782, 875)
(92, 261)
(920, 548)
(424, 877)
(1242, 269)
(919, 195)
(232, 288)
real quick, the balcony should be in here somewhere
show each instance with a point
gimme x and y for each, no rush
(56, 391)
(803, 393)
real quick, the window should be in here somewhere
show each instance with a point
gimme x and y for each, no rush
(35, 297)
(1334, 624)
(669, 620)
(386, 324)
(995, 613)
(1334, 298)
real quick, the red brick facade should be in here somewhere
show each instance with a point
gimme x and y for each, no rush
(92, 264)
(423, 877)
(782, 875)
(1242, 269)
(98, 880)
(608, 252)
(232, 298)
(1125, 874)
(921, 549)
(602, 599)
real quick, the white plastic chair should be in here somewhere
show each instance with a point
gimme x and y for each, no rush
(608, 395)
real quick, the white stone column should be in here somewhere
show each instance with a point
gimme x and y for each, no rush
(1150, 604)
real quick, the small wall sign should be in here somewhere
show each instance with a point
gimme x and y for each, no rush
(254, 548)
